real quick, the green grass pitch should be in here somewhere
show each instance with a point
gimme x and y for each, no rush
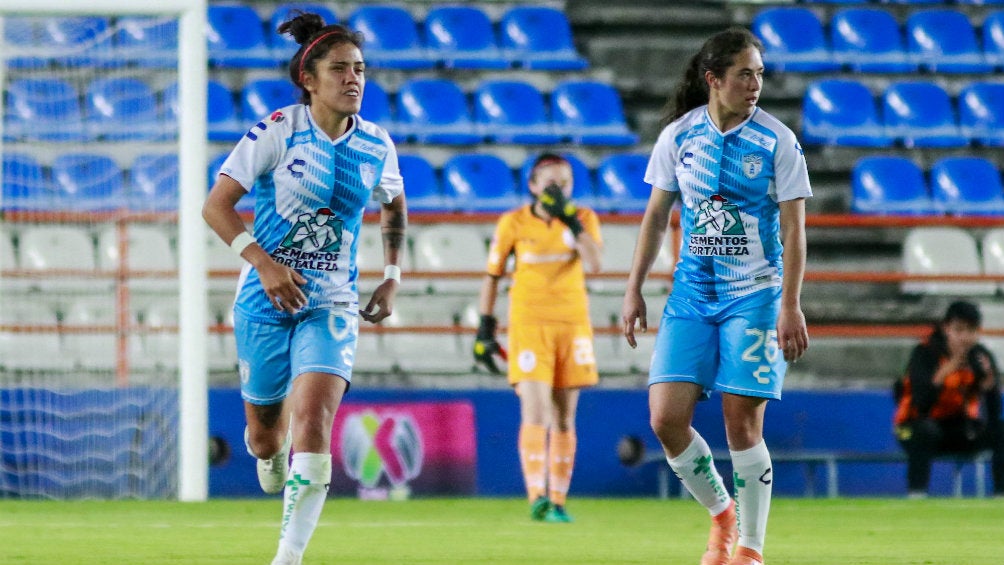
(466, 531)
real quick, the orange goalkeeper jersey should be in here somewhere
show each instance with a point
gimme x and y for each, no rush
(549, 284)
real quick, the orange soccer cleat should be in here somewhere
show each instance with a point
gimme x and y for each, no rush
(724, 534)
(746, 556)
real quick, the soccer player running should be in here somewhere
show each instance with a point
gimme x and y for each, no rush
(311, 165)
(733, 318)
(550, 336)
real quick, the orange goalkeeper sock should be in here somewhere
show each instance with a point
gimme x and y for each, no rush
(533, 459)
(561, 456)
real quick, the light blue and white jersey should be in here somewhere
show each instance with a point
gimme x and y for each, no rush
(310, 192)
(730, 184)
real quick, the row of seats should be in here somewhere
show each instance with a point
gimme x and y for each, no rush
(424, 110)
(907, 2)
(953, 251)
(872, 40)
(468, 182)
(883, 184)
(916, 113)
(532, 37)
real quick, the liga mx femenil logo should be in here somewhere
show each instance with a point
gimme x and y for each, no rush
(376, 447)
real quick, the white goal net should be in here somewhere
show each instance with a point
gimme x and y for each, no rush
(103, 309)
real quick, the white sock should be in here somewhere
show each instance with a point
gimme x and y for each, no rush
(754, 479)
(303, 499)
(696, 469)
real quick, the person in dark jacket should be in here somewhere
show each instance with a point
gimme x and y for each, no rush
(949, 400)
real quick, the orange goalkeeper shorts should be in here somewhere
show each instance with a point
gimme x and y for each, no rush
(560, 355)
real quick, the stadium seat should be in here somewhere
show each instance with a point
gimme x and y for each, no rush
(246, 204)
(411, 353)
(512, 111)
(147, 40)
(25, 184)
(841, 112)
(793, 39)
(377, 108)
(539, 37)
(462, 37)
(261, 97)
(223, 122)
(967, 185)
(284, 46)
(8, 259)
(46, 247)
(154, 185)
(450, 247)
(43, 109)
(90, 310)
(620, 183)
(422, 185)
(981, 112)
(869, 40)
(992, 247)
(148, 249)
(583, 186)
(122, 108)
(944, 41)
(391, 37)
(236, 37)
(921, 114)
(590, 113)
(480, 182)
(943, 251)
(32, 352)
(889, 185)
(21, 42)
(77, 41)
(993, 38)
(88, 182)
(434, 110)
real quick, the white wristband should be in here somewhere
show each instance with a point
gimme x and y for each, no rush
(392, 272)
(240, 243)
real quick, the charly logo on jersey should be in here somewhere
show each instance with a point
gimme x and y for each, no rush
(752, 165)
(718, 229)
(312, 242)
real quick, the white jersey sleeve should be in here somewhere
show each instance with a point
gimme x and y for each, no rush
(791, 175)
(258, 152)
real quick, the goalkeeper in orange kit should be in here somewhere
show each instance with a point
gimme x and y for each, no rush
(550, 348)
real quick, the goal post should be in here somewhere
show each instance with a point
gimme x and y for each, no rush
(190, 482)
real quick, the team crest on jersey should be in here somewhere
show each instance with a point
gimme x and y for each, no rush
(367, 173)
(752, 165)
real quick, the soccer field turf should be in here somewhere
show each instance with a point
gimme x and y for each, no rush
(499, 531)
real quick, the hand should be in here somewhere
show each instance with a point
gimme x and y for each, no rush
(486, 346)
(633, 310)
(792, 335)
(553, 200)
(381, 304)
(282, 286)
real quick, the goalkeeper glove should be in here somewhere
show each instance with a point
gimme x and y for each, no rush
(485, 345)
(554, 203)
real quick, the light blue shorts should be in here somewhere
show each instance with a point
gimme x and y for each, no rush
(271, 353)
(729, 346)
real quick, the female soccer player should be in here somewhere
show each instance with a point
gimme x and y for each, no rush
(733, 318)
(550, 336)
(312, 166)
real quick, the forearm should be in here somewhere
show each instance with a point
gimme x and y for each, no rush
(393, 227)
(488, 295)
(589, 251)
(795, 252)
(651, 235)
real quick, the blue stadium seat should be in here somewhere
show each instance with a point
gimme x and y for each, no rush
(377, 108)
(921, 114)
(539, 37)
(43, 109)
(435, 110)
(620, 183)
(583, 186)
(889, 185)
(87, 182)
(284, 46)
(261, 97)
(462, 37)
(422, 185)
(154, 186)
(993, 38)
(944, 41)
(967, 185)
(793, 39)
(246, 204)
(22, 42)
(122, 108)
(590, 113)
(391, 37)
(981, 112)
(841, 112)
(869, 40)
(78, 40)
(511, 111)
(480, 182)
(236, 37)
(223, 123)
(25, 185)
(147, 41)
